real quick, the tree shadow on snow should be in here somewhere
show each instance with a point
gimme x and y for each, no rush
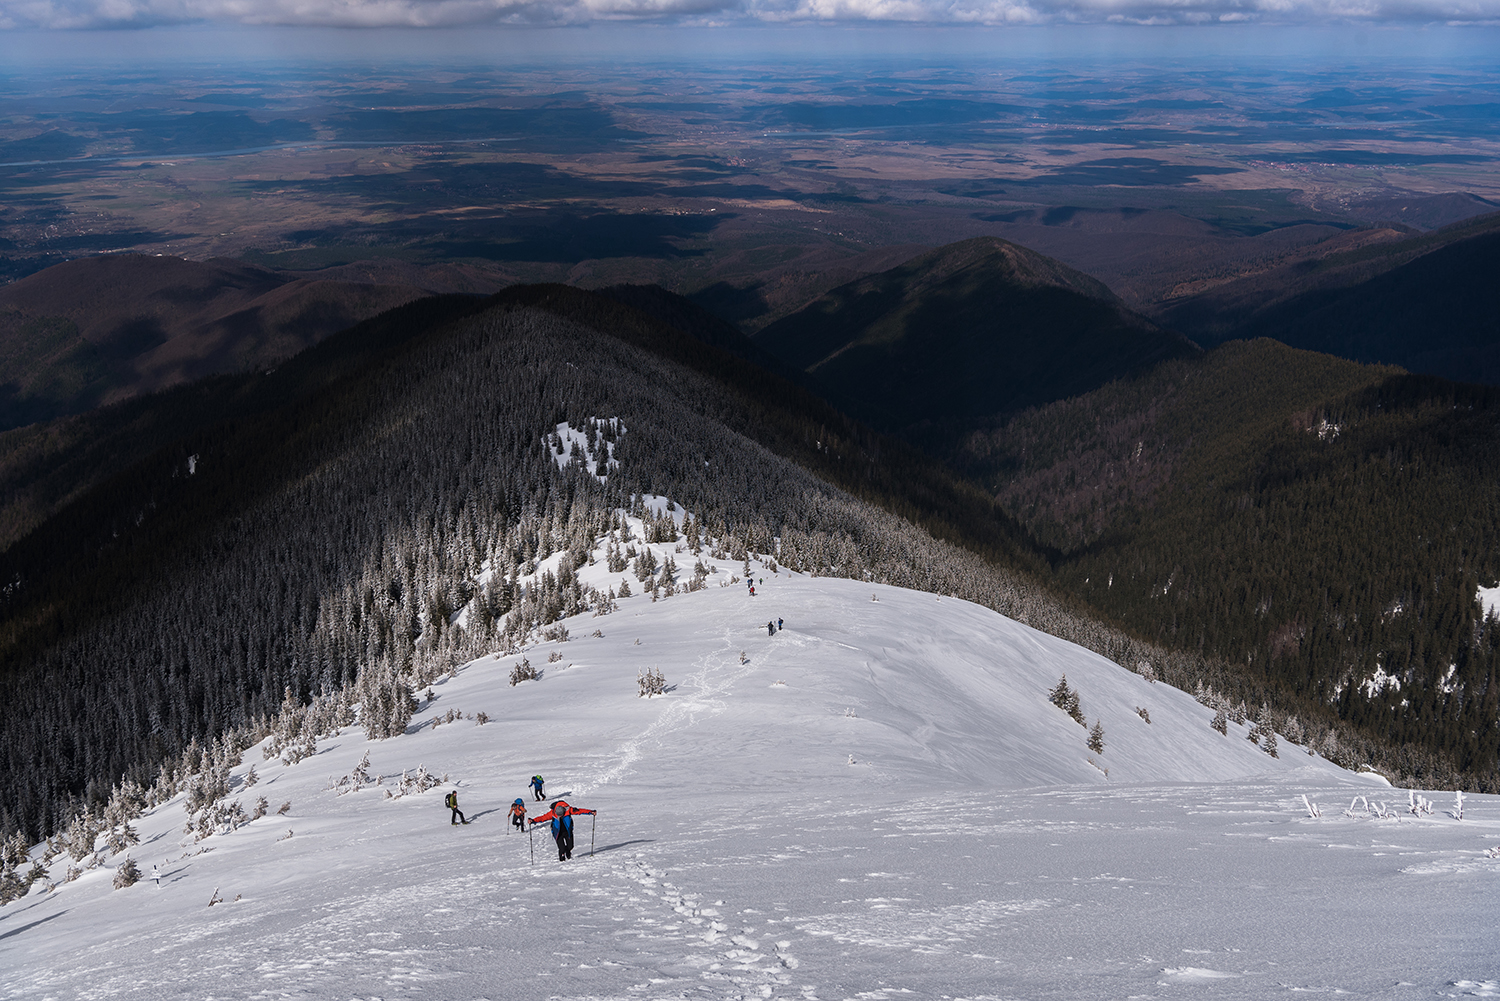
(39, 921)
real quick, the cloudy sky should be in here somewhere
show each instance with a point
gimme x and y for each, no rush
(97, 14)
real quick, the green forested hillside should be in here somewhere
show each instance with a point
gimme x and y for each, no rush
(1321, 523)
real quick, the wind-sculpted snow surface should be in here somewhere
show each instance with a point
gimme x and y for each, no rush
(877, 801)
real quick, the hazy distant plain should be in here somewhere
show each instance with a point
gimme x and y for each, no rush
(759, 177)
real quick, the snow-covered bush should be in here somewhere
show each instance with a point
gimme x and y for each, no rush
(80, 836)
(651, 683)
(523, 671)
(205, 787)
(121, 837)
(1096, 737)
(12, 886)
(417, 782)
(305, 747)
(128, 874)
(261, 806)
(1292, 730)
(356, 780)
(15, 851)
(1221, 719)
(1143, 713)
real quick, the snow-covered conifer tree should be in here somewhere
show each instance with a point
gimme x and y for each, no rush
(128, 874)
(1074, 708)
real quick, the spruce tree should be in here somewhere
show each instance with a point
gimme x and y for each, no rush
(128, 874)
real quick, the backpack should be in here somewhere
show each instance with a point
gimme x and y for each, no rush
(452, 801)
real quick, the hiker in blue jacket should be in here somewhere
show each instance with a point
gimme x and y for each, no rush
(536, 787)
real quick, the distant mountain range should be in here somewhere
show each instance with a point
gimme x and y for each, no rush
(962, 337)
(101, 329)
(1429, 303)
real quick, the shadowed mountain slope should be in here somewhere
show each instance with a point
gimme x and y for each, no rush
(101, 329)
(1325, 524)
(1430, 304)
(963, 335)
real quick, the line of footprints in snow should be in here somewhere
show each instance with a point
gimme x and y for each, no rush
(745, 965)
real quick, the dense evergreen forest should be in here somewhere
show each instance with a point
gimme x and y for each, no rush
(270, 559)
(1321, 523)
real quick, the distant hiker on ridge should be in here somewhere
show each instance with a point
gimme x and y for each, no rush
(518, 815)
(451, 802)
(770, 629)
(536, 787)
(561, 816)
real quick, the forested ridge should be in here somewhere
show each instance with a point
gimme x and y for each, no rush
(331, 539)
(324, 545)
(1321, 523)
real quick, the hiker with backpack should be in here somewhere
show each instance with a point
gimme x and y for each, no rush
(536, 787)
(451, 802)
(561, 816)
(518, 815)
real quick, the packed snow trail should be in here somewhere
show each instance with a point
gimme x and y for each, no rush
(700, 695)
(974, 849)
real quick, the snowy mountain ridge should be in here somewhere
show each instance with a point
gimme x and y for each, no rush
(865, 802)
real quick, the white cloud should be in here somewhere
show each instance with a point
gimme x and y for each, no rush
(453, 13)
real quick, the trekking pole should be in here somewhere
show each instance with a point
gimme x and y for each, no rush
(532, 842)
(593, 822)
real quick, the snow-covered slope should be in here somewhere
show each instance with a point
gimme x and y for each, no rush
(878, 800)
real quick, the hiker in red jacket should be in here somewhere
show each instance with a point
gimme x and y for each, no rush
(561, 815)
